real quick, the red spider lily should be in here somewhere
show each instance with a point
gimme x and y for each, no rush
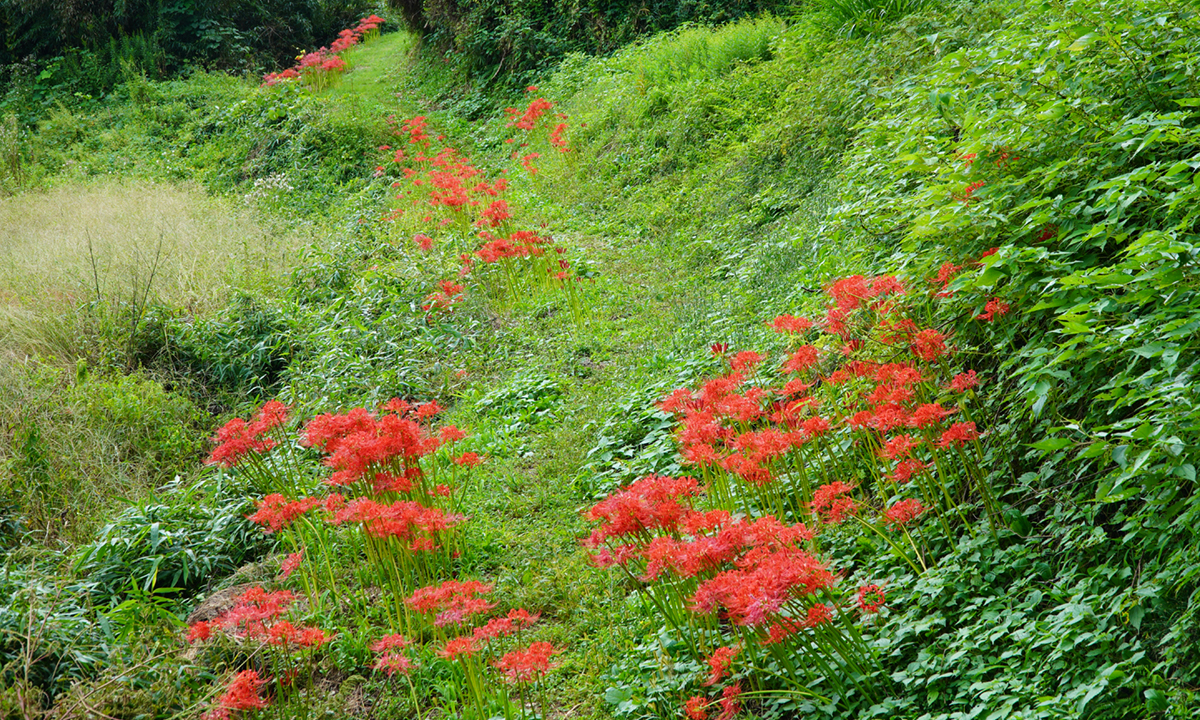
(404, 520)
(452, 601)
(966, 195)
(455, 648)
(780, 631)
(718, 349)
(494, 214)
(831, 502)
(556, 138)
(239, 438)
(903, 512)
(818, 614)
(900, 446)
(905, 469)
(254, 611)
(468, 459)
(523, 666)
(277, 512)
(290, 563)
(928, 414)
(285, 634)
(801, 359)
(755, 592)
(450, 434)
(958, 435)
(647, 504)
(696, 707)
(242, 692)
(993, 309)
(719, 663)
(394, 663)
(527, 162)
(964, 381)
(745, 361)
(528, 119)
(730, 704)
(423, 241)
(790, 324)
(494, 628)
(892, 331)
(870, 598)
(390, 642)
(928, 345)
(431, 408)
(199, 631)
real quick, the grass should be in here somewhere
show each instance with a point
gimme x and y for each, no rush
(113, 244)
(704, 198)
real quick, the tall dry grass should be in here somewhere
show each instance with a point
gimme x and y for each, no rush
(122, 245)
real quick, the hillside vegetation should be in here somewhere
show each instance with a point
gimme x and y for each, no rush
(835, 362)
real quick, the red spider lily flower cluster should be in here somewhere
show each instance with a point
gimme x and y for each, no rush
(446, 192)
(866, 390)
(242, 693)
(240, 438)
(993, 309)
(525, 666)
(316, 68)
(390, 660)
(451, 603)
(449, 294)
(871, 598)
(257, 615)
(393, 477)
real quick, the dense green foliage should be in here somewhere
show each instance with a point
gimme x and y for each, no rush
(717, 177)
(56, 49)
(514, 42)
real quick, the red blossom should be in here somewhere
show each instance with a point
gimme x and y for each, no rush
(522, 666)
(903, 512)
(870, 598)
(964, 381)
(993, 309)
(719, 663)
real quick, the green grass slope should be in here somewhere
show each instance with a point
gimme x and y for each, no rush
(1027, 173)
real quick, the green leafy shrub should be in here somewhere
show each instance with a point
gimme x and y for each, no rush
(70, 445)
(187, 541)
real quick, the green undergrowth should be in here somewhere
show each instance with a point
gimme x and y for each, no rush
(717, 178)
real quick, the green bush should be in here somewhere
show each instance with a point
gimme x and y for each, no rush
(70, 445)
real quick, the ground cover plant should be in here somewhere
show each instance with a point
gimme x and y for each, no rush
(862, 386)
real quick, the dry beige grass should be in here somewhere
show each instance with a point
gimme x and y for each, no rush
(118, 242)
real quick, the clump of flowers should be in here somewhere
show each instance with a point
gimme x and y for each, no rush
(319, 68)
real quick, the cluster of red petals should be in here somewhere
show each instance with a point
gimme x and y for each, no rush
(290, 564)
(239, 438)
(928, 345)
(653, 503)
(327, 60)
(832, 502)
(754, 592)
(958, 435)
(719, 663)
(390, 660)
(850, 292)
(242, 692)
(523, 666)
(358, 444)
(903, 512)
(448, 295)
(993, 309)
(963, 382)
(277, 512)
(453, 602)
(871, 598)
